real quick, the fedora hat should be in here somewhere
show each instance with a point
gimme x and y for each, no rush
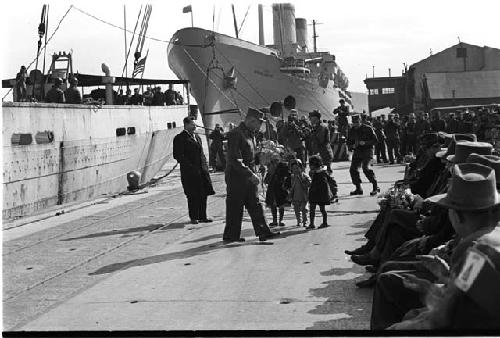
(256, 114)
(491, 161)
(469, 179)
(464, 148)
(454, 138)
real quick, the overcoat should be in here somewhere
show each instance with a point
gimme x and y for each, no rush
(195, 178)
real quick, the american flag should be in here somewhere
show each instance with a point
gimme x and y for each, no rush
(139, 66)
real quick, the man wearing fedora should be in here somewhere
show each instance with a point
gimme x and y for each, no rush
(242, 181)
(360, 141)
(195, 177)
(470, 297)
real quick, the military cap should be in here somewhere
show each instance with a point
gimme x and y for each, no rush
(58, 81)
(315, 113)
(252, 112)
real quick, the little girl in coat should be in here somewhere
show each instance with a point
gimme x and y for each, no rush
(278, 180)
(319, 192)
(299, 191)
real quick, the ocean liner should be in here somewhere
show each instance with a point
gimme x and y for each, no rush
(228, 74)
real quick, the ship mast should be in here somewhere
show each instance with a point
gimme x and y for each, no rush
(314, 35)
(235, 23)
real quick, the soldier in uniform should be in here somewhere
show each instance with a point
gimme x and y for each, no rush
(217, 147)
(55, 94)
(411, 135)
(422, 126)
(72, 94)
(380, 146)
(319, 140)
(361, 140)
(242, 181)
(342, 112)
(392, 133)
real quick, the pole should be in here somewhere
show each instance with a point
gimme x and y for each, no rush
(261, 26)
(192, 24)
(373, 71)
(314, 35)
(125, 34)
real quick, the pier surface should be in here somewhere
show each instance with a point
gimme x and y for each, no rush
(134, 262)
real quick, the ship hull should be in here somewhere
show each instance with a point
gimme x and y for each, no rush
(87, 156)
(259, 79)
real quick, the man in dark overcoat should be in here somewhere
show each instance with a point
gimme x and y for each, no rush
(319, 140)
(195, 178)
(242, 181)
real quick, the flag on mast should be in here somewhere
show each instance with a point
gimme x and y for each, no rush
(187, 9)
(140, 66)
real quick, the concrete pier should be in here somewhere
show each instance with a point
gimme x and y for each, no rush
(133, 262)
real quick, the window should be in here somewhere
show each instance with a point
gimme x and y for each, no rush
(373, 91)
(387, 90)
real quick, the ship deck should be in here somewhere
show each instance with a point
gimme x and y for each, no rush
(133, 262)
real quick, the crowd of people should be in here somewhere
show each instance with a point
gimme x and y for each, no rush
(434, 247)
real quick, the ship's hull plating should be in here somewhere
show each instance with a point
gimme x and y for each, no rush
(86, 159)
(259, 80)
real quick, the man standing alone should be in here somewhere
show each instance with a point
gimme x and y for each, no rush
(242, 182)
(195, 178)
(361, 140)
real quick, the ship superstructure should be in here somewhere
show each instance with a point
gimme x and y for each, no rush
(228, 74)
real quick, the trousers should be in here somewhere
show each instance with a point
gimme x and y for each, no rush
(393, 150)
(362, 159)
(197, 206)
(380, 151)
(217, 150)
(300, 209)
(241, 193)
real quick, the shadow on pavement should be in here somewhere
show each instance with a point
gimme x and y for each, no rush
(339, 293)
(128, 231)
(188, 253)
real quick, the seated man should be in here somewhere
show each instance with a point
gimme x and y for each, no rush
(447, 304)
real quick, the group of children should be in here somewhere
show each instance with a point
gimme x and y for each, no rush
(288, 184)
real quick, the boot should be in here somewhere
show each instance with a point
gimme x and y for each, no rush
(358, 191)
(376, 189)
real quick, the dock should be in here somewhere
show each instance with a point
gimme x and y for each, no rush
(134, 262)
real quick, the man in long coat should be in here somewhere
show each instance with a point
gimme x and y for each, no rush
(195, 178)
(319, 140)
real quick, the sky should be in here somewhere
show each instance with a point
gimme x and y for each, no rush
(361, 34)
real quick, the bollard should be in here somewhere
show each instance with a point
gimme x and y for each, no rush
(133, 179)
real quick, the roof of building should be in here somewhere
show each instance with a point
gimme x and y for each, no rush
(475, 84)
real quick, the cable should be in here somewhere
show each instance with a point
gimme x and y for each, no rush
(45, 45)
(116, 26)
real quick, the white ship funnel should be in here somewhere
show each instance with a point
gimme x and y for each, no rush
(285, 37)
(301, 29)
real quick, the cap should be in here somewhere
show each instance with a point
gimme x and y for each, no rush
(315, 113)
(252, 112)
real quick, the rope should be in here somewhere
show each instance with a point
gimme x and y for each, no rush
(131, 42)
(116, 26)
(45, 45)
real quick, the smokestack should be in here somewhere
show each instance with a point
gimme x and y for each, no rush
(301, 30)
(284, 27)
(261, 26)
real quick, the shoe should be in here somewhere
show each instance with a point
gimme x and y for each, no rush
(356, 192)
(273, 224)
(375, 191)
(298, 224)
(193, 221)
(206, 220)
(311, 226)
(282, 224)
(359, 251)
(335, 199)
(371, 268)
(323, 225)
(368, 283)
(229, 240)
(365, 259)
(392, 162)
(269, 235)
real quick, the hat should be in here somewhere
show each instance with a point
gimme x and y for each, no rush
(453, 142)
(255, 113)
(355, 117)
(342, 100)
(58, 81)
(464, 148)
(469, 179)
(491, 161)
(315, 113)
